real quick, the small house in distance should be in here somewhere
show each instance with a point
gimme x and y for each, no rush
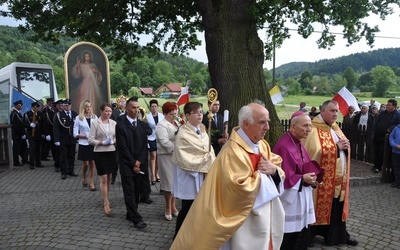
(147, 92)
(169, 90)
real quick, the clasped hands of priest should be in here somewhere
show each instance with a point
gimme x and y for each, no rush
(265, 166)
(343, 143)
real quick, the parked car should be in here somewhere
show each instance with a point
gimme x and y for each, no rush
(368, 103)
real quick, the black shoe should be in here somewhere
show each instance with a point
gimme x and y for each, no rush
(18, 164)
(394, 185)
(147, 201)
(57, 170)
(41, 166)
(351, 242)
(140, 225)
(72, 174)
(32, 167)
(376, 170)
(63, 176)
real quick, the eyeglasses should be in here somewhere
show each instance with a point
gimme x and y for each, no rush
(197, 113)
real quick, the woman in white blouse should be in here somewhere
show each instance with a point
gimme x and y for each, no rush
(102, 136)
(165, 135)
(81, 132)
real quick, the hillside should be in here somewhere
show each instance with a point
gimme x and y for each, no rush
(360, 62)
(146, 71)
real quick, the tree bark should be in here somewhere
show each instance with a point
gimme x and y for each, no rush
(235, 58)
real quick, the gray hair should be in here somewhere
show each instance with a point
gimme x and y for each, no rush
(246, 112)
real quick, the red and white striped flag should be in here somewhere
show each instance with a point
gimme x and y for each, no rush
(346, 99)
(184, 97)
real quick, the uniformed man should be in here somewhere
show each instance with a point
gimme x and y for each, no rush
(48, 116)
(18, 133)
(63, 125)
(34, 131)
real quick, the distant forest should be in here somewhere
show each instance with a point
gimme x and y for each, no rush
(142, 72)
(376, 72)
(360, 62)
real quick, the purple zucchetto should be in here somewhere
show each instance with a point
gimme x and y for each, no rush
(297, 113)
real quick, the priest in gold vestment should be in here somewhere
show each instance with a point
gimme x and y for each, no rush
(238, 205)
(328, 145)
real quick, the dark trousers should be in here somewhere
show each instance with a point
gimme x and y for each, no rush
(396, 167)
(67, 158)
(34, 152)
(145, 188)
(46, 146)
(334, 233)
(186, 204)
(17, 146)
(56, 156)
(296, 240)
(131, 189)
(379, 147)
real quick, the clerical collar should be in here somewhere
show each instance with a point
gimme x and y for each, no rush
(252, 145)
(322, 119)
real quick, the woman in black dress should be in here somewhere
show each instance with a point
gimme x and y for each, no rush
(102, 136)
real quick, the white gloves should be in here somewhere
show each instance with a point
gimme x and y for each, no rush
(32, 125)
(57, 143)
(107, 141)
(23, 137)
(48, 138)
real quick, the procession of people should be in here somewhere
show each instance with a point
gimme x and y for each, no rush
(235, 190)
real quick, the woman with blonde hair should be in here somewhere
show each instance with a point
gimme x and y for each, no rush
(102, 136)
(81, 132)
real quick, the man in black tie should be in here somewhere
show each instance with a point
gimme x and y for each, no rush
(131, 137)
(116, 114)
(217, 127)
(34, 126)
(18, 133)
(63, 125)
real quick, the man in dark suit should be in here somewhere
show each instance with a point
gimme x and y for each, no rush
(217, 126)
(131, 136)
(47, 118)
(117, 113)
(34, 131)
(63, 126)
(18, 133)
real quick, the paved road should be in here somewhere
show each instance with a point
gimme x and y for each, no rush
(41, 211)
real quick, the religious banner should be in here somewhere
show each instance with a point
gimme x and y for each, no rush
(87, 75)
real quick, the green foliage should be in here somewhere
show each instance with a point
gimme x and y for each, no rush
(382, 77)
(142, 72)
(134, 91)
(351, 77)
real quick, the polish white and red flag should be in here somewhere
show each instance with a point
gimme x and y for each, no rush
(184, 97)
(346, 99)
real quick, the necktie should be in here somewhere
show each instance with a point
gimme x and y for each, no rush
(215, 119)
(134, 123)
(68, 114)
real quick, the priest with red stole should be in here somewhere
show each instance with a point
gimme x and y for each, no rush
(327, 145)
(238, 205)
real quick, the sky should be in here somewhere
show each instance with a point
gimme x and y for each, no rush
(298, 49)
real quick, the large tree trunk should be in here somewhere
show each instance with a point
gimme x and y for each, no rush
(235, 58)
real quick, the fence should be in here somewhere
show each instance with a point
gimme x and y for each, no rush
(362, 148)
(360, 141)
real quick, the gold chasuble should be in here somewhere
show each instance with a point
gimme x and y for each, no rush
(192, 154)
(226, 201)
(321, 147)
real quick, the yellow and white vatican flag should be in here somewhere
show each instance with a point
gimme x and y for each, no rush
(276, 95)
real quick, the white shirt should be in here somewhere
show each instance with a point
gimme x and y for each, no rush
(363, 120)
